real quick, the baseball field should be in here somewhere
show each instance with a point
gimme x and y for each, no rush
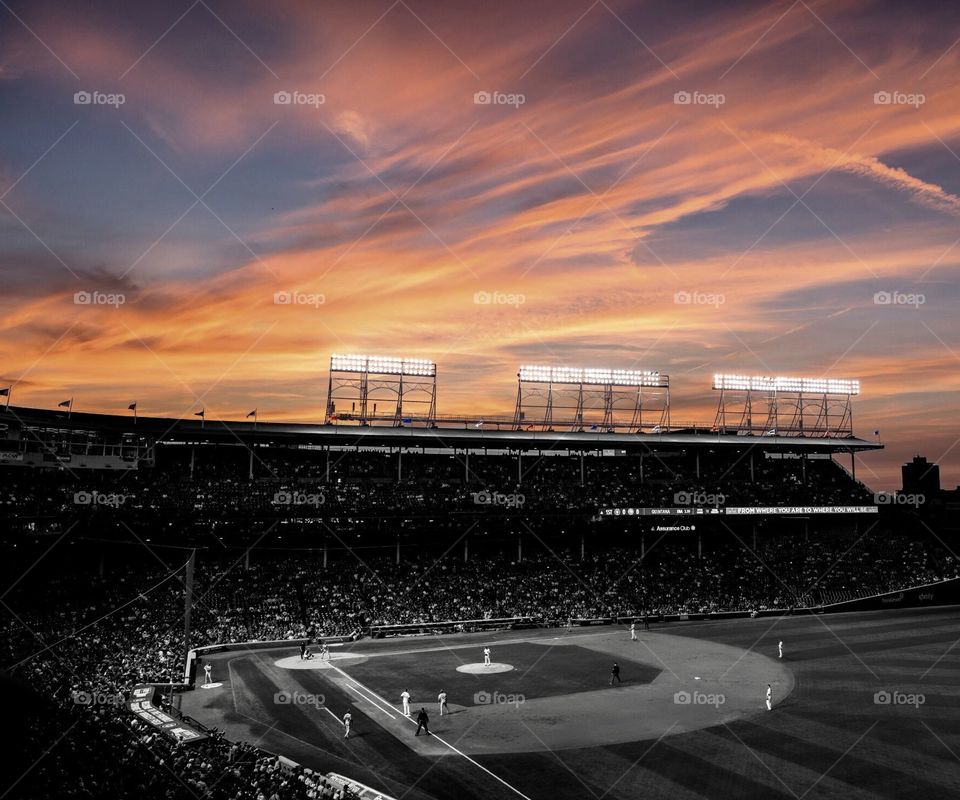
(864, 705)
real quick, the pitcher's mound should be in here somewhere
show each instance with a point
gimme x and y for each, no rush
(484, 669)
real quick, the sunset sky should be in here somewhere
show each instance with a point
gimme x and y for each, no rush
(589, 206)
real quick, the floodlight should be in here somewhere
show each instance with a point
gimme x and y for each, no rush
(760, 383)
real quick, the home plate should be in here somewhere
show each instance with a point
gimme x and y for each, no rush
(210, 685)
(484, 669)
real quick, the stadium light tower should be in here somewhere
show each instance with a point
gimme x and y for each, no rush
(408, 386)
(789, 406)
(584, 397)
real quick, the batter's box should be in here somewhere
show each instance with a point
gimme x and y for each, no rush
(539, 670)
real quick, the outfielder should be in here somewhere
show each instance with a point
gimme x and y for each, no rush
(346, 725)
(769, 698)
(633, 631)
(780, 649)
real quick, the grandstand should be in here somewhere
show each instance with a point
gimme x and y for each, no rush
(197, 542)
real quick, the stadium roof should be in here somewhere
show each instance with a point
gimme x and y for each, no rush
(464, 433)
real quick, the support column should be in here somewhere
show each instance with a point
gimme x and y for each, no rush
(519, 547)
(699, 545)
(751, 467)
(754, 526)
(399, 465)
(324, 552)
(398, 549)
(519, 468)
(466, 549)
(582, 471)
(188, 600)
(246, 559)
(250, 469)
(643, 545)
(327, 470)
(466, 467)
(697, 455)
(583, 550)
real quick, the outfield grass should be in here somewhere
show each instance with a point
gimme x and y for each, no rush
(828, 738)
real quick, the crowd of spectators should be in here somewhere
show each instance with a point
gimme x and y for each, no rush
(184, 487)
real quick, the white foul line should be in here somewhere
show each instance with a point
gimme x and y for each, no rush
(439, 739)
(357, 687)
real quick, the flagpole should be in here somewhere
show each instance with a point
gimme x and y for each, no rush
(9, 392)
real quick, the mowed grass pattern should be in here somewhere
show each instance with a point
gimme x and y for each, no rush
(828, 739)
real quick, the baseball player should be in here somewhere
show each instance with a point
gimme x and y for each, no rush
(423, 721)
(207, 677)
(769, 697)
(405, 699)
(442, 702)
(486, 656)
(633, 631)
(347, 719)
(780, 649)
(324, 652)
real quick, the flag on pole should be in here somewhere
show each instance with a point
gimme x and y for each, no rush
(132, 407)
(65, 403)
(252, 414)
(5, 392)
(201, 413)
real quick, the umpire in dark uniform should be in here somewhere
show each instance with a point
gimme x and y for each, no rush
(423, 721)
(615, 673)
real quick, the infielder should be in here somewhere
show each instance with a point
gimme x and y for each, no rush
(633, 631)
(780, 648)
(405, 699)
(324, 653)
(769, 698)
(346, 725)
(442, 702)
(486, 656)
